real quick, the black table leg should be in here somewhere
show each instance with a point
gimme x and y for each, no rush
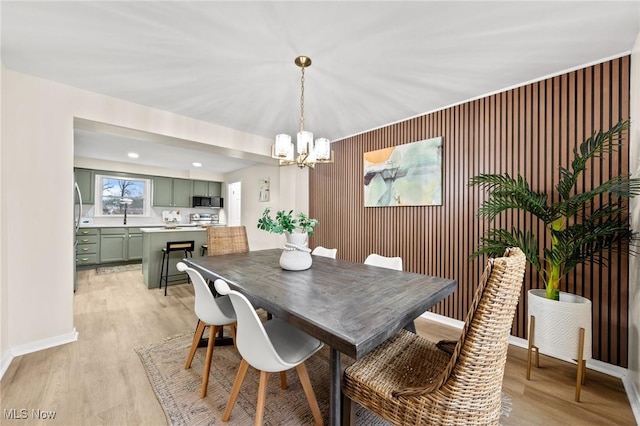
(335, 415)
(221, 339)
(411, 326)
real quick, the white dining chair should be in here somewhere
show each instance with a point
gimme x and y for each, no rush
(384, 262)
(390, 263)
(325, 252)
(270, 347)
(214, 312)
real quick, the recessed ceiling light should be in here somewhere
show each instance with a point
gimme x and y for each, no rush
(133, 155)
(197, 164)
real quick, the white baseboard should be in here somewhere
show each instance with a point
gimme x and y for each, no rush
(39, 345)
(443, 320)
(5, 362)
(592, 364)
(634, 396)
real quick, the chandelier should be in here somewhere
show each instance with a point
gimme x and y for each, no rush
(308, 152)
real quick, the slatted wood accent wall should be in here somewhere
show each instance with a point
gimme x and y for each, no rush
(529, 130)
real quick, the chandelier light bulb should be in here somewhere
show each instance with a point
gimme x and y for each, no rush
(305, 142)
(308, 152)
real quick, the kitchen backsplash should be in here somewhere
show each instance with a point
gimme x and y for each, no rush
(156, 216)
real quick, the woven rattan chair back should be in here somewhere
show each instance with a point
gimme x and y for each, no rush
(477, 364)
(226, 240)
(456, 382)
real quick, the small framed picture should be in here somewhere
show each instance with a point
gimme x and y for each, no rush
(263, 190)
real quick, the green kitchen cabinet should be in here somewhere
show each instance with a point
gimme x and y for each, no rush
(215, 189)
(171, 192)
(200, 188)
(85, 179)
(181, 193)
(87, 246)
(113, 245)
(206, 189)
(162, 191)
(134, 244)
(120, 244)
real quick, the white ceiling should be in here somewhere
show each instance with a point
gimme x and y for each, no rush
(104, 146)
(374, 63)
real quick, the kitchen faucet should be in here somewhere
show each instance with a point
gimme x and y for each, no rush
(125, 202)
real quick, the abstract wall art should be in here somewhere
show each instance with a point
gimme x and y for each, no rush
(263, 190)
(404, 175)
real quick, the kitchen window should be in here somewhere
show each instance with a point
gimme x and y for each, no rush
(115, 194)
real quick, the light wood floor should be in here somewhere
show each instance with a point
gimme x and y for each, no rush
(99, 379)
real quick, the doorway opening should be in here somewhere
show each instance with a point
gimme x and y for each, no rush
(235, 203)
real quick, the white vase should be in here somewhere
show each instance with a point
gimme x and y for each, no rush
(296, 255)
(558, 323)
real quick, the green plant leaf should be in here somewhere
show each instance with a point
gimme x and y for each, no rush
(498, 240)
(594, 146)
(578, 232)
(284, 222)
(507, 193)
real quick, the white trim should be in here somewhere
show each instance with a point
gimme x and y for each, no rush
(592, 364)
(634, 396)
(5, 363)
(609, 369)
(98, 194)
(39, 345)
(443, 320)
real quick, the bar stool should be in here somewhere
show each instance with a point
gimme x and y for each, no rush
(186, 246)
(204, 249)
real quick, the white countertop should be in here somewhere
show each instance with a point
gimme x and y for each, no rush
(148, 225)
(110, 225)
(192, 228)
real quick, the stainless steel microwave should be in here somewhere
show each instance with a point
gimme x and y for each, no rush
(207, 202)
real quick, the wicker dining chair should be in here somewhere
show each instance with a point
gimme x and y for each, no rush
(411, 380)
(226, 240)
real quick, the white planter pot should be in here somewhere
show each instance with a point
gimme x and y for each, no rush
(558, 323)
(296, 255)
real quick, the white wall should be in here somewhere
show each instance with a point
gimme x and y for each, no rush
(634, 261)
(36, 257)
(289, 191)
(4, 282)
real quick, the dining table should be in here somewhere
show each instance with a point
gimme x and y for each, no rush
(350, 306)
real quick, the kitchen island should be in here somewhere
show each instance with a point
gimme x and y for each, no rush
(155, 239)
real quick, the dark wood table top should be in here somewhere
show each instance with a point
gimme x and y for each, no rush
(351, 307)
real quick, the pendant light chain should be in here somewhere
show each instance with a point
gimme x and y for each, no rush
(302, 100)
(304, 152)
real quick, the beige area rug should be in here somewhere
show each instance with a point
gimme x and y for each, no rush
(119, 268)
(177, 389)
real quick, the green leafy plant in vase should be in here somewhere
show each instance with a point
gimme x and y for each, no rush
(286, 223)
(582, 226)
(296, 255)
(578, 232)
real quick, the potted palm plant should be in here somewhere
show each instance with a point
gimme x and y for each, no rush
(296, 253)
(578, 231)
